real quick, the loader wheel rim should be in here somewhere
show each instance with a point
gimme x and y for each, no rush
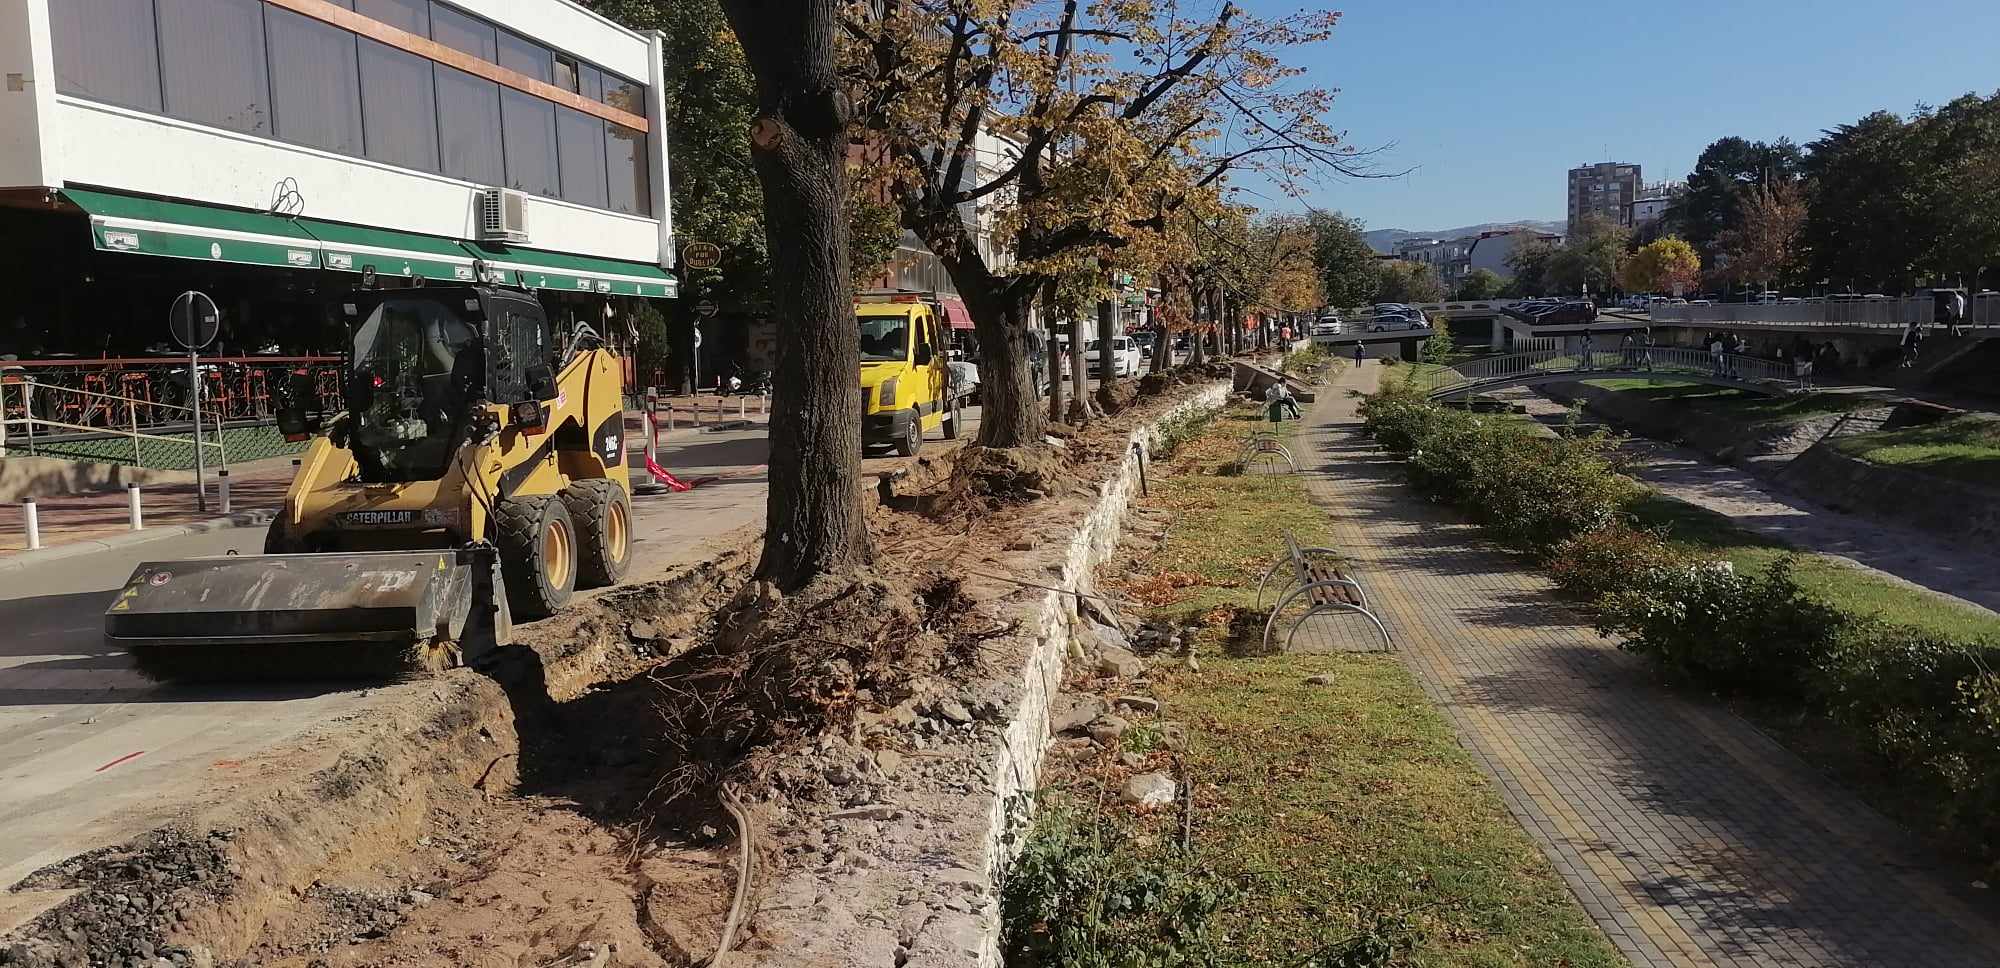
(614, 532)
(556, 553)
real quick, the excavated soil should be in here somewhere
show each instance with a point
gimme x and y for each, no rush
(598, 805)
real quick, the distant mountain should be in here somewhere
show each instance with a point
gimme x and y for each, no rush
(1384, 240)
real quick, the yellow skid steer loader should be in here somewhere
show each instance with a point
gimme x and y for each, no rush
(469, 481)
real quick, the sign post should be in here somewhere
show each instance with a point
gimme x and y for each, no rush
(194, 321)
(695, 362)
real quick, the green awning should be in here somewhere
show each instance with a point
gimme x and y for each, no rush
(352, 248)
(535, 269)
(123, 223)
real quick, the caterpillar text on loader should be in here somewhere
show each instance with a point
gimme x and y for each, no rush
(466, 483)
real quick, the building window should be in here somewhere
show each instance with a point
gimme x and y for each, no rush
(214, 65)
(464, 33)
(411, 15)
(316, 96)
(566, 74)
(624, 95)
(580, 137)
(105, 50)
(528, 135)
(399, 107)
(590, 82)
(468, 110)
(527, 57)
(630, 187)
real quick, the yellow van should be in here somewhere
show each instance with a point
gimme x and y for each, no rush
(906, 386)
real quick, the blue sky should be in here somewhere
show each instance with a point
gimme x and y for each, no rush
(1492, 102)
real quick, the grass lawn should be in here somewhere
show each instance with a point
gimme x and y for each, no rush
(1849, 588)
(1964, 449)
(1754, 408)
(1329, 806)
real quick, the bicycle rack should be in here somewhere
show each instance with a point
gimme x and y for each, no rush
(1264, 450)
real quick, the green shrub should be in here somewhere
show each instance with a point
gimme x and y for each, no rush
(1760, 635)
(1084, 894)
(1596, 563)
(1928, 706)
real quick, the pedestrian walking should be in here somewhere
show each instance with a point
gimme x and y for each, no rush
(1360, 355)
(1628, 355)
(1954, 309)
(1913, 336)
(1715, 354)
(1586, 350)
(1646, 350)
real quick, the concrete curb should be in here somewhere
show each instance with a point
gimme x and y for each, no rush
(22, 560)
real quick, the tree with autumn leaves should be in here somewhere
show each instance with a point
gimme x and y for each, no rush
(1662, 266)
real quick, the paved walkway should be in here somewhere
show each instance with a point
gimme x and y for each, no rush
(1691, 837)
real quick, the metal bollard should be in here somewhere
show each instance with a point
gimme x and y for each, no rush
(742, 409)
(34, 523)
(222, 489)
(718, 408)
(132, 505)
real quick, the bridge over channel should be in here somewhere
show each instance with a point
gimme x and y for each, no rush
(1473, 377)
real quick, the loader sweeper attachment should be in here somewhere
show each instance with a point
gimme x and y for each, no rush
(466, 483)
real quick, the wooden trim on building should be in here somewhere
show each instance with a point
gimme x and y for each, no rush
(429, 49)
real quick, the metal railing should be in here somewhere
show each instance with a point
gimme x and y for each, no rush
(150, 391)
(1882, 314)
(23, 430)
(1747, 371)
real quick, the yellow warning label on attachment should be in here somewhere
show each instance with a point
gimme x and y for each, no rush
(122, 605)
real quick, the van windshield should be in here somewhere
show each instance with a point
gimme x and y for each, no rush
(885, 339)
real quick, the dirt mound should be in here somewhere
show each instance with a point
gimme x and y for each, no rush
(1114, 397)
(131, 897)
(986, 479)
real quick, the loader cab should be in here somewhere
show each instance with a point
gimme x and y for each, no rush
(419, 362)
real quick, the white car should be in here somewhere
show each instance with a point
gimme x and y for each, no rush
(1124, 356)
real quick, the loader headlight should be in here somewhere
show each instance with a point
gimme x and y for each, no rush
(885, 395)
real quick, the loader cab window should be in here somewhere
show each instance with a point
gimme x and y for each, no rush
(416, 365)
(521, 345)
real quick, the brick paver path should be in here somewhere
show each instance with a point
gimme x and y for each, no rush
(1691, 837)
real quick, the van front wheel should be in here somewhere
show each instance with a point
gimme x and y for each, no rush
(913, 436)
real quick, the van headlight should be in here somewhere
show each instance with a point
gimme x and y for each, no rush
(885, 395)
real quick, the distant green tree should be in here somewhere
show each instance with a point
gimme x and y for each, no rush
(1726, 168)
(1530, 262)
(1345, 260)
(1440, 345)
(1481, 284)
(1408, 282)
(1590, 256)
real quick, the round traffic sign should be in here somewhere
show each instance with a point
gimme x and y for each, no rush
(706, 308)
(194, 320)
(701, 255)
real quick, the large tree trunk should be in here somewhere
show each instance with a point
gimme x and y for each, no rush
(813, 521)
(1079, 397)
(1107, 326)
(1010, 412)
(1052, 366)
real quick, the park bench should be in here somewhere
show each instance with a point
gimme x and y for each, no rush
(1317, 578)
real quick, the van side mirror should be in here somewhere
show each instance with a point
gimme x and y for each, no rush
(541, 381)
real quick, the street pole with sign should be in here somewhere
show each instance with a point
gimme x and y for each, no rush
(194, 320)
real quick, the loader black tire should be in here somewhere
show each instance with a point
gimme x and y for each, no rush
(603, 515)
(538, 553)
(279, 541)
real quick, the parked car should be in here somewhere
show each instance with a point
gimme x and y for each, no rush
(1700, 302)
(1768, 297)
(1124, 356)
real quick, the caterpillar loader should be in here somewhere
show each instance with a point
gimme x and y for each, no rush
(466, 483)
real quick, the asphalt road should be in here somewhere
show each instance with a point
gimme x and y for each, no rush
(92, 753)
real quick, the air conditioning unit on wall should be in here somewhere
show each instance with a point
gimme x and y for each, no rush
(503, 216)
